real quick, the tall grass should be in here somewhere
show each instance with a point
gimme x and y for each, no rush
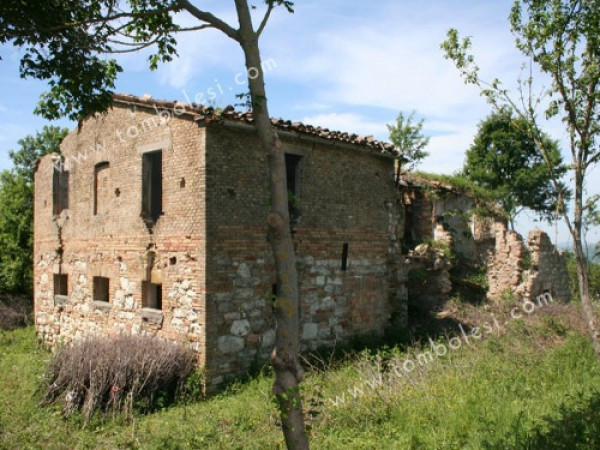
(534, 386)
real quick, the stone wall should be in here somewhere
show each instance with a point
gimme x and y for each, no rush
(439, 212)
(548, 272)
(346, 199)
(526, 272)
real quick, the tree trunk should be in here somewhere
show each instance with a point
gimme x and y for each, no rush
(581, 264)
(284, 358)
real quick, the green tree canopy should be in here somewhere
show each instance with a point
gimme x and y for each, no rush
(33, 147)
(409, 140)
(505, 160)
(16, 213)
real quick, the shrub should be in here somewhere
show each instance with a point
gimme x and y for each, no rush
(118, 374)
(594, 273)
(15, 313)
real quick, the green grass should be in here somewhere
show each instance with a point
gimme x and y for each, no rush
(535, 386)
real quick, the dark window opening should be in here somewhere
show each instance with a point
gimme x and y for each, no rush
(292, 169)
(101, 289)
(151, 295)
(60, 190)
(409, 240)
(152, 185)
(101, 188)
(60, 284)
(345, 257)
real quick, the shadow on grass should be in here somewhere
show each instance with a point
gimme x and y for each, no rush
(422, 326)
(469, 283)
(576, 427)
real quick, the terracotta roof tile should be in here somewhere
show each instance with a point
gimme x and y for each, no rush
(229, 113)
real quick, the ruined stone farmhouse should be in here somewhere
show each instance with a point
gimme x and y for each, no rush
(152, 221)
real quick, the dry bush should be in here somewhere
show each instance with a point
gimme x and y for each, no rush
(15, 312)
(117, 374)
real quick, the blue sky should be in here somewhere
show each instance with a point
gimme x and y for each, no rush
(344, 64)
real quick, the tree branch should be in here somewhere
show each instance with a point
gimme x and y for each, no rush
(263, 24)
(199, 27)
(210, 19)
(134, 48)
(98, 20)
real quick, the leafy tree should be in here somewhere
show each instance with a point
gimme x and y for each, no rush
(16, 213)
(65, 41)
(33, 147)
(406, 135)
(591, 219)
(562, 37)
(505, 160)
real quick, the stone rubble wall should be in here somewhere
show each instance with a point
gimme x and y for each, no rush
(548, 273)
(526, 272)
(433, 213)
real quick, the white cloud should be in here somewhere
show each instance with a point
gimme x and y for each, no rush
(447, 152)
(392, 60)
(199, 53)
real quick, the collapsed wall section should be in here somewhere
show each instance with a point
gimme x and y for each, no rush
(526, 272)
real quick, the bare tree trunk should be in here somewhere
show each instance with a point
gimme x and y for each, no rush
(284, 358)
(581, 264)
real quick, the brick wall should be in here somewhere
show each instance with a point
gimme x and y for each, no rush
(115, 242)
(209, 249)
(347, 196)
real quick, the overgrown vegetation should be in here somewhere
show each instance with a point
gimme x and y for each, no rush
(559, 38)
(594, 276)
(469, 283)
(15, 312)
(117, 374)
(534, 385)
